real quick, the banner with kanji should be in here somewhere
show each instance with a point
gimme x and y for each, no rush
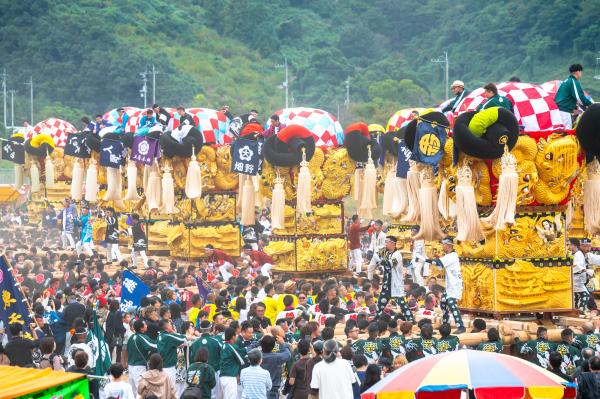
(13, 308)
(76, 146)
(112, 153)
(133, 291)
(246, 157)
(99, 347)
(145, 150)
(404, 155)
(13, 151)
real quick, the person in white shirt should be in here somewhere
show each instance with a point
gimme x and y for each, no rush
(376, 245)
(454, 284)
(580, 276)
(419, 268)
(80, 345)
(119, 386)
(333, 377)
(592, 260)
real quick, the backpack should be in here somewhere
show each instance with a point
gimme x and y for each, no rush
(194, 391)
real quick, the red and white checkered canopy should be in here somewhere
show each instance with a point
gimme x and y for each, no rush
(325, 128)
(398, 119)
(57, 128)
(534, 107)
(113, 118)
(134, 120)
(551, 87)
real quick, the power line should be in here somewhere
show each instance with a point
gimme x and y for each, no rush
(4, 77)
(12, 107)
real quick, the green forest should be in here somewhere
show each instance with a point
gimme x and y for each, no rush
(85, 56)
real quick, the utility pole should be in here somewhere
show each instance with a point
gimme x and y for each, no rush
(30, 84)
(446, 65)
(12, 107)
(347, 101)
(144, 89)
(154, 72)
(4, 78)
(286, 84)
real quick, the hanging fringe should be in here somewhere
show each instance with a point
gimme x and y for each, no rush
(428, 201)
(467, 219)
(49, 172)
(34, 174)
(240, 193)
(258, 199)
(91, 182)
(508, 188)
(569, 212)
(132, 194)
(146, 176)
(413, 183)
(168, 192)
(278, 204)
(369, 190)
(153, 195)
(358, 178)
(400, 193)
(303, 193)
(77, 181)
(113, 191)
(446, 206)
(193, 179)
(388, 193)
(248, 202)
(591, 198)
(19, 174)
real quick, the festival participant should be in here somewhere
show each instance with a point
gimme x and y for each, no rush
(259, 260)
(232, 360)
(80, 344)
(225, 110)
(123, 118)
(570, 95)
(393, 344)
(256, 381)
(88, 126)
(447, 342)
(112, 236)
(217, 258)
(581, 274)
(419, 268)
(588, 338)
(454, 284)
(139, 349)
(376, 245)
(19, 348)
(354, 246)
(140, 241)
(67, 217)
(458, 88)
(184, 117)
(167, 343)
(493, 99)
(390, 260)
(289, 311)
(100, 124)
(571, 355)
(162, 115)
(371, 347)
(147, 119)
(538, 350)
(118, 387)
(555, 361)
(274, 361)
(201, 375)
(493, 344)
(332, 377)
(85, 242)
(274, 128)
(213, 346)
(423, 346)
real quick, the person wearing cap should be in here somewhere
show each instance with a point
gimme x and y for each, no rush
(581, 274)
(419, 268)
(454, 284)
(184, 117)
(377, 244)
(67, 217)
(259, 259)
(354, 230)
(458, 88)
(332, 377)
(80, 345)
(140, 241)
(213, 346)
(162, 115)
(570, 95)
(493, 99)
(85, 242)
(112, 236)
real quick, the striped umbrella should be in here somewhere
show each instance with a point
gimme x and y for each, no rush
(489, 375)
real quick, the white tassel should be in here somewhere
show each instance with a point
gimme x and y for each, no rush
(153, 193)
(446, 206)
(49, 171)
(413, 183)
(428, 203)
(278, 204)
(400, 197)
(388, 194)
(591, 198)
(508, 188)
(19, 173)
(34, 174)
(248, 202)
(113, 192)
(303, 193)
(258, 199)
(77, 181)
(132, 194)
(193, 179)
(146, 176)
(240, 193)
(369, 190)
(168, 192)
(91, 182)
(467, 219)
(358, 178)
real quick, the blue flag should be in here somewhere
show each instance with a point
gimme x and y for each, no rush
(112, 153)
(202, 290)
(13, 308)
(133, 291)
(404, 155)
(429, 143)
(246, 157)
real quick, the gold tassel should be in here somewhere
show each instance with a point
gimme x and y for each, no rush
(248, 202)
(591, 198)
(77, 181)
(258, 199)
(34, 174)
(278, 204)
(388, 194)
(400, 197)
(113, 192)
(193, 179)
(168, 192)
(358, 178)
(49, 171)
(303, 193)
(413, 183)
(446, 206)
(153, 193)
(467, 219)
(132, 194)
(508, 188)
(428, 203)
(19, 173)
(91, 182)
(240, 192)
(146, 176)
(369, 190)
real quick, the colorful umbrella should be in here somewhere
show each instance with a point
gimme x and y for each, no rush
(113, 118)
(134, 120)
(398, 119)
(551, 87)
(57, 128)
(212, 123)
(489, 375)
(534, 107)
(325, 128)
